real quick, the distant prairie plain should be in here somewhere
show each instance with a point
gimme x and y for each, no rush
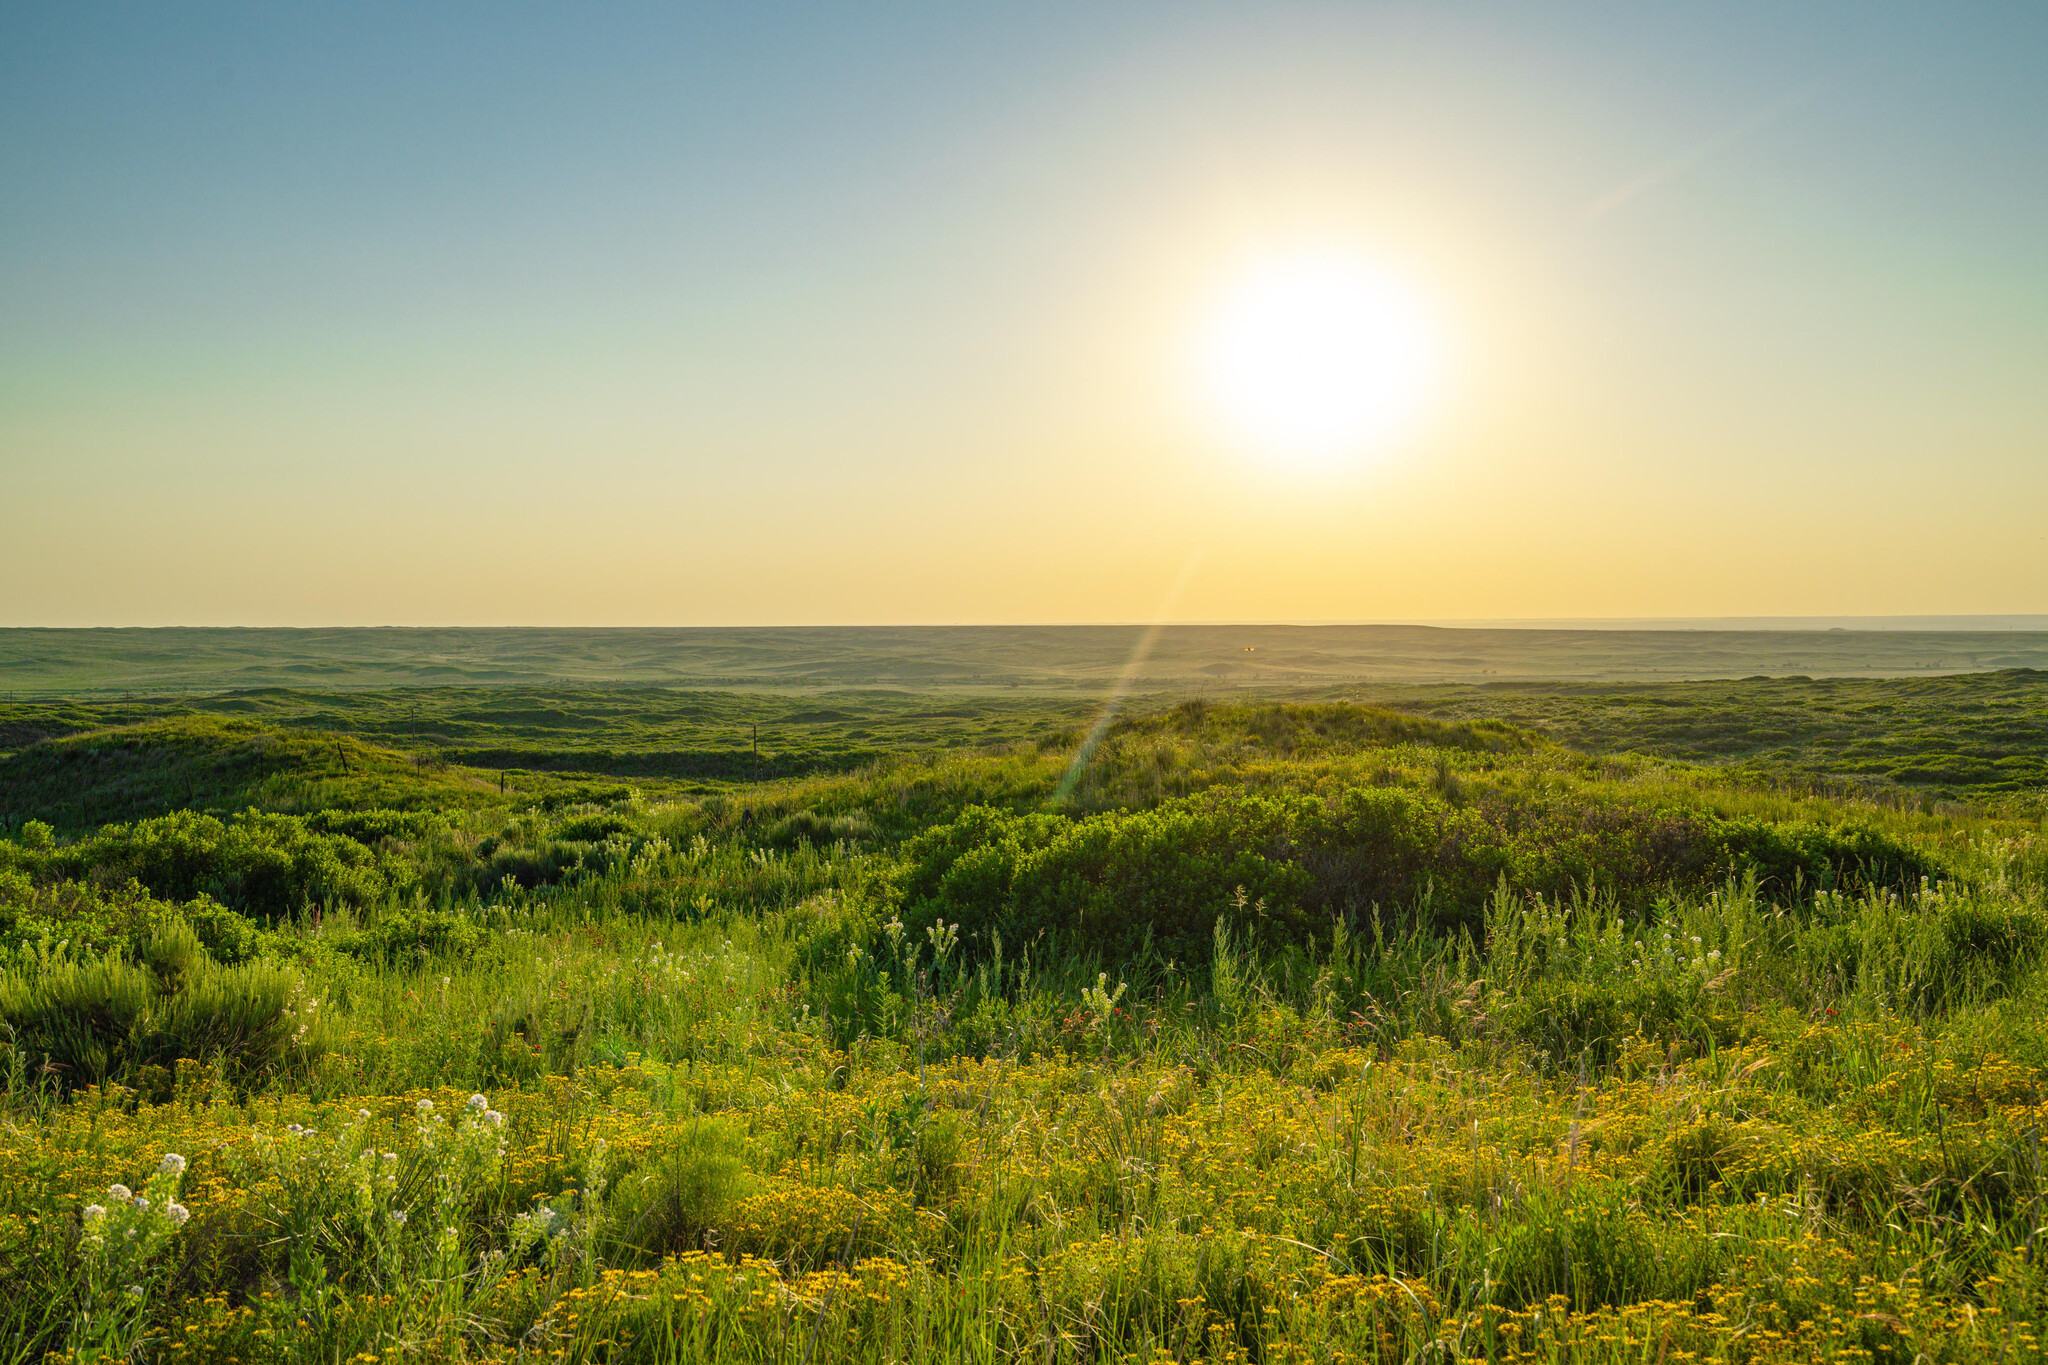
(1177, 658)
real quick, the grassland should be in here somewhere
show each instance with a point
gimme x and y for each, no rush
(1316, 1032)
(216, 752)
(1980, 736)
(1976, 737)
(1183, 659)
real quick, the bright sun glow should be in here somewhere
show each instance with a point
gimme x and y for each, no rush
(1315, 357)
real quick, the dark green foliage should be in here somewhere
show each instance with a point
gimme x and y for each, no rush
(372, 827)
(1792, 858)
(969, 865)
(813, 827)
(593, 828)
(91, 918)
(1120, 881)
(99, 1020)
(407, 935)
(548, 862)
(257, 864)
(228, 937)
(1115, 882)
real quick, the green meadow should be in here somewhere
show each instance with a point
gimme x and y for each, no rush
(1608, 1021)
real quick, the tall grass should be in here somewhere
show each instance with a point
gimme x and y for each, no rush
(707, 1091)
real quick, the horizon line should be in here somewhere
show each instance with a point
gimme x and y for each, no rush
(1873, 623)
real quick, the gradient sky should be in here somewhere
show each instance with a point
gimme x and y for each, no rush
(880, 313)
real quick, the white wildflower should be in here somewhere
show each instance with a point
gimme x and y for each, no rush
(479, 1103)
(425, 1106)
(121, 1192)
(398, 1218)
(173, 1164)
(177, 1213)
(94, 1212)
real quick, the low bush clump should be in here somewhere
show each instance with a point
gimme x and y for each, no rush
(89, 1022)
(1124, 880)
(86, 919)
(262, 865)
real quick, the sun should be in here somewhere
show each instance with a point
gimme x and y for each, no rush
(1318, 356)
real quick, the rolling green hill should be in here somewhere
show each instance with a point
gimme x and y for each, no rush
(1968, 736)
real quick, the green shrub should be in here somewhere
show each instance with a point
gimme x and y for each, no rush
(172, 952)
(548, 863)
(253, 1017)
(94, 920)
(1119, 880)
(228, 937)
(820, 831)
(1118, 883)
(83, 1019)
(90, 920)
(96, 1021)
(1792, 858)
(370, 827)
(413, 934)
(593, 828)
(1115, 882)
(264, 865)
(684, 1190)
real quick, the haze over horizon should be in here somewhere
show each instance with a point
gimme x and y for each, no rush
(654, 316)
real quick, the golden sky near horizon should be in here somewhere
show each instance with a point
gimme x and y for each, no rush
(916, 316)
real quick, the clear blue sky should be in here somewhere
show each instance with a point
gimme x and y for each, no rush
(620, 314)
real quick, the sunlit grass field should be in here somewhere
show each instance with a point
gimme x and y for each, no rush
(1974, 737)
(1250, 1032)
